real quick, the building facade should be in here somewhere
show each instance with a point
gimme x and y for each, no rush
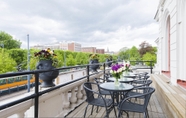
(53, 46)
(100, 51)
(75, 47)
(89, 49)
(171, 43)
(39, 47)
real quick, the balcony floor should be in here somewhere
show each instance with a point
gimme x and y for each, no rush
(154, 110)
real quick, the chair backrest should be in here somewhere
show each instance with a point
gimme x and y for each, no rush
(88, 90)
(148, 82)
(146, 77)
(143, 83)
(107, 75)
(147, 95)
(142, 75)
(99, 80)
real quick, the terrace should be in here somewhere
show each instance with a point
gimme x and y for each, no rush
(67, 98)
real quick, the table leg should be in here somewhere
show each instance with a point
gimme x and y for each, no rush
(113, 96)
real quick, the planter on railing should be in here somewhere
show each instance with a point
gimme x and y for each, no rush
(47, 77)
(94, 67)
(109, 62)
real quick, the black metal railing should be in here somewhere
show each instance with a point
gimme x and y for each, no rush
(142, 65)
(36, 94)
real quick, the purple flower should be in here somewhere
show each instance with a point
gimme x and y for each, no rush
(116, 67)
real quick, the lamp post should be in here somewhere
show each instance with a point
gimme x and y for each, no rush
(64, 58)
(28, 63)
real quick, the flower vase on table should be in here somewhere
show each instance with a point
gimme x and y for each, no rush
(117, 71)
(122, 76)
(126, 72)
(116, 82)
(127, 69)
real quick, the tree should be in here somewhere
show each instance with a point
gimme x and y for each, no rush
(134, 54)
(33, 59)
(85, 58)
(70, 60)
(7, 64)
(8, 41)
(124, 54)
(102, 58)
(60, 57)
(144, 48)
(19, 55)
(79, 59)
(149, 57)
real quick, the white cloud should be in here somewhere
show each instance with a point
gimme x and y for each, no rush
(102, 24)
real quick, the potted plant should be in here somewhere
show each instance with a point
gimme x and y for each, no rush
(109, 61)
(47, 61)
(94, 59)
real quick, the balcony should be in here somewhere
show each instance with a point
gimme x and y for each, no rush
(67, 99)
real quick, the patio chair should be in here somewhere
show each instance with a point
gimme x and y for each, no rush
(138, 84)
(142, 75)
(96, 99)
(107, 75)
(127, 105)
(101, 91)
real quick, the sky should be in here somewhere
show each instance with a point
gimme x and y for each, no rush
(104, 24)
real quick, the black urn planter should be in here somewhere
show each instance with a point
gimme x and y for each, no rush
(94, 67)
(47, 77)
(109, 62)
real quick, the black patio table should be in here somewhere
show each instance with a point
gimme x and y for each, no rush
(117, 90)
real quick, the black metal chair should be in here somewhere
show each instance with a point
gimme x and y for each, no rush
(96, 99)
(137, 84)
(127, 105)
(142, 75)
(107, 75)
(140, 83)
(101, 91)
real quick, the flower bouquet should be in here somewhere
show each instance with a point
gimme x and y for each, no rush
(117, 71)
(127, 68)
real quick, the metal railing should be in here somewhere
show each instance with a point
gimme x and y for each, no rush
(36, 93)
(143, 67)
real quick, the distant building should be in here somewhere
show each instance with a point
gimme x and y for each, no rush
(75, 47)
(63, 45)
(53, 46)
(88, 49)
(39, 47)
(100, 51)
(72, 46)
(108, 52)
